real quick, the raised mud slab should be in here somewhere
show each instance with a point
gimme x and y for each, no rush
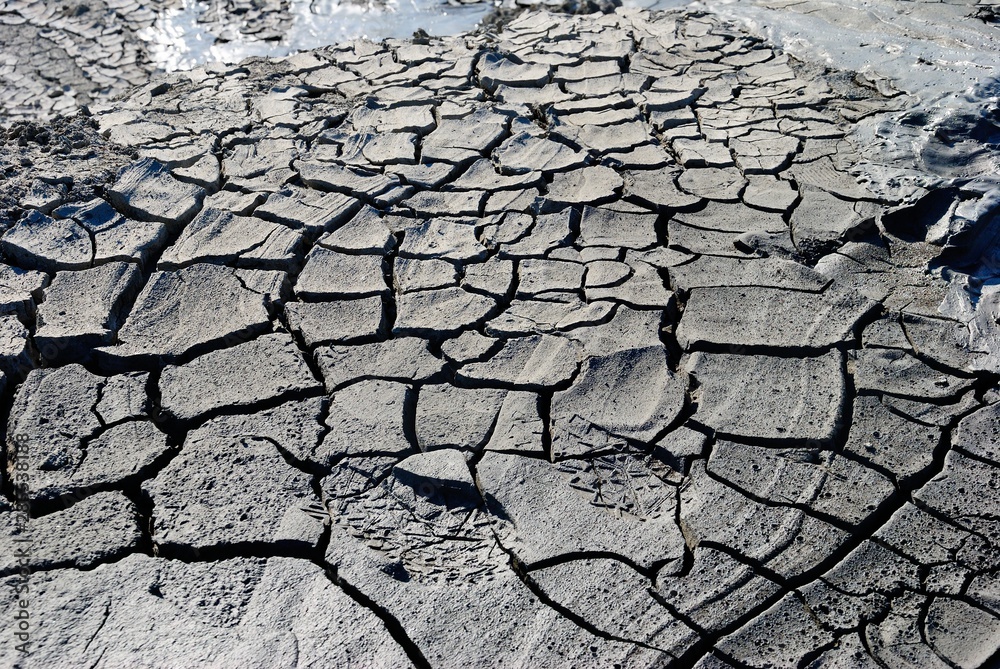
(574, 346)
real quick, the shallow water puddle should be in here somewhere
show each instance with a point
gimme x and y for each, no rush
(187, 36)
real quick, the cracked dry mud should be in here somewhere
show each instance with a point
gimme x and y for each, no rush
(56, 57)
(576, 346)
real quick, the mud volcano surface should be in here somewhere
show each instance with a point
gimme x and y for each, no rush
(578, 345)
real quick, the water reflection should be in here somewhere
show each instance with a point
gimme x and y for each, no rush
(196, 31)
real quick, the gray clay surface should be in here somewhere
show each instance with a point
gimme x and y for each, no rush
(576, 344)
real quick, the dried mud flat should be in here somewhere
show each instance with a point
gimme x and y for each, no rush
(577, 345)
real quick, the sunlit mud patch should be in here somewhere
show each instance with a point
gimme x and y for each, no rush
(228, 31)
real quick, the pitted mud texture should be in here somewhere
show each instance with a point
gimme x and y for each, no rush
(577, 346)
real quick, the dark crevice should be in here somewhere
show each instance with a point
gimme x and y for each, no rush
(107, 362)
(463, 381)
(111, 557)
(305, 466)
(787, 352)
(762, 442)
(859, 534)
(951, 400)
(811, 656)
(804, 507)
(389, 308)
(545, 414)
(566, 558)
(238, 549)
(7, 473)
(170, 423)
(520, 569)
(394, 627)
(130, 486)
(896, 411)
